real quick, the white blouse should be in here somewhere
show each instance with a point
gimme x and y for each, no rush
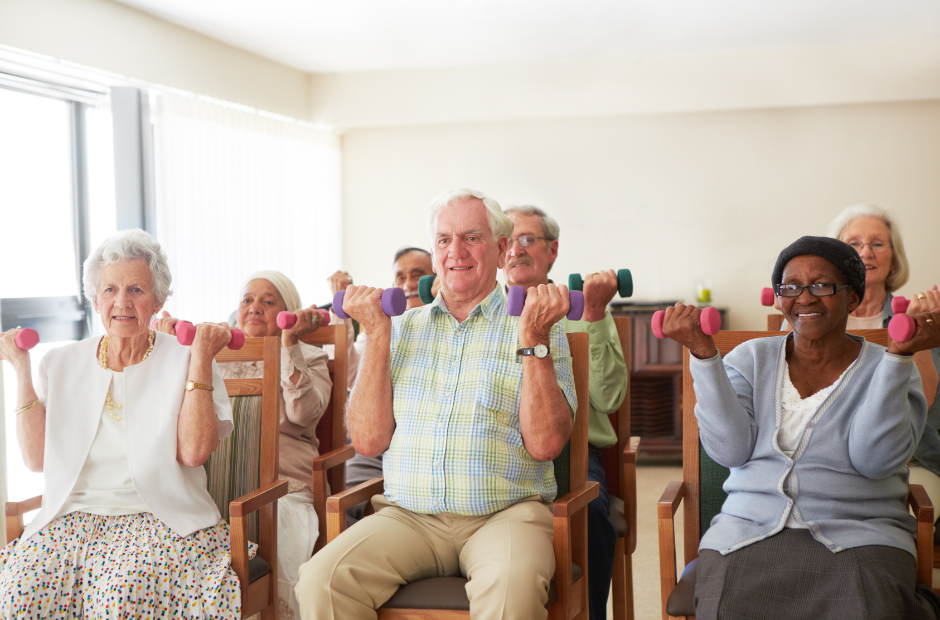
(105, 486)
(795, 414)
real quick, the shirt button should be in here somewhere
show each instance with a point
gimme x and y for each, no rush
(831, 547)
(789, 464)
(811, 425)
(437, 464)
(436, 503)
(789, 502)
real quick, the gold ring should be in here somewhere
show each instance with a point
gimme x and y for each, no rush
(930, 320)
(921, 296)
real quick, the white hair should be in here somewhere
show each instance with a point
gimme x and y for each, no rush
(550, 228)
(900, 268)
(128, 245)
(500, 225)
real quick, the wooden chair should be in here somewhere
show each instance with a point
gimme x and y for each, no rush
(257, 577)
(620, 469)
(568, 595)
(701, 494)
(329, 469)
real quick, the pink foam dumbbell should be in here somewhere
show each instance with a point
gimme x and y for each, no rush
(899, 305)
(901, 327)
(394, 302)
(767, 296)
(286, 320)
(186, 332)
(710, 320)
(515, 302)
(26, 339)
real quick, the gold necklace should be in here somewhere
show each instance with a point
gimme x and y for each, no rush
(103, 360)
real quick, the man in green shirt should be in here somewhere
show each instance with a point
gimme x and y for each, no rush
(532, 250)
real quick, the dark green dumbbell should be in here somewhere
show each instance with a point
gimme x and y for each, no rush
(624, 283)
(424, 288)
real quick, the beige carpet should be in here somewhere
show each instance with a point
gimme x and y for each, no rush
(650, 484)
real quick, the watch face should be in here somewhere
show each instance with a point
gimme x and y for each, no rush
(541, 351)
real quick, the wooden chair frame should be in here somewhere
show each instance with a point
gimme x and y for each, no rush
(686, 491)
(620, 469)
(569, 514)
(329, 469)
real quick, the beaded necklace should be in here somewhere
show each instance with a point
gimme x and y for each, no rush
(103, 360)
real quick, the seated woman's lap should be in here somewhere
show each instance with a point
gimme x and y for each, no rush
(121, 566)
(791, 575)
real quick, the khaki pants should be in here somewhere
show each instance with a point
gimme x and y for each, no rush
(507, 557)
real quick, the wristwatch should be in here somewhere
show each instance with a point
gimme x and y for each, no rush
(540, 351)
(191, 385)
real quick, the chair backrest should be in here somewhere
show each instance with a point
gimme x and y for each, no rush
(703, 476)
(331, 431)
(248, 457)
(620, 419)
(572, 464)
(774, 322)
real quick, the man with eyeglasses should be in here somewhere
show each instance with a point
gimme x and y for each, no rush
(532, 250)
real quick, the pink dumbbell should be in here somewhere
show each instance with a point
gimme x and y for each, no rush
(767, 296)
(710, 320)
(186, 332)
(899, 305)
(515, 302)
(26, 339)
(901, 327)
(393, 302)
(286, 320)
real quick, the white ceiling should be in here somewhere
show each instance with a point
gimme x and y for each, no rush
(368, 35)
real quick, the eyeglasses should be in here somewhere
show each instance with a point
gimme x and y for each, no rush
(526, 241)
(878, 247)
(818, 289)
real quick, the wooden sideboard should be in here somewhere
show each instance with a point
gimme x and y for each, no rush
(655, 382)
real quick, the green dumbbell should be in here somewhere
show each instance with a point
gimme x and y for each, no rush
(424, 288)
(624, 283)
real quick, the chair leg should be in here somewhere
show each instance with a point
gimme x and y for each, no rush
(618, 583)
(628, 584)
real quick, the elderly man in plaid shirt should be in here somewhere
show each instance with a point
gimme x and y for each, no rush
(470, 406)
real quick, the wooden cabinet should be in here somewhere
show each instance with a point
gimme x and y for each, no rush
(655, 383)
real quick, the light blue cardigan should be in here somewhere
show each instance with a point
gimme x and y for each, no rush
(848, 476)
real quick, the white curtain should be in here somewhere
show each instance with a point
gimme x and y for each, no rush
(238, 192)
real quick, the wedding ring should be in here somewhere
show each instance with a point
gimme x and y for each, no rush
(930, 320)
(921, 296)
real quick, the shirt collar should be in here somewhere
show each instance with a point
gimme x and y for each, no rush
(487, 307)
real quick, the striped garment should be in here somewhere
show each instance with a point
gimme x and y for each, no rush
(456, 388)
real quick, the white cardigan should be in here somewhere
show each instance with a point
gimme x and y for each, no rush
(72, 387)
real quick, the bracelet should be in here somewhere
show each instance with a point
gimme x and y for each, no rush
(27, 406)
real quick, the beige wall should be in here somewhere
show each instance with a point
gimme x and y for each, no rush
(112, 37)
(676, 198)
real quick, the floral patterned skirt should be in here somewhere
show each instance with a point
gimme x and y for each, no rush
(130, 566)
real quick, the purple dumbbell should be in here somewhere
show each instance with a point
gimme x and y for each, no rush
(515, 302)
(393, 302)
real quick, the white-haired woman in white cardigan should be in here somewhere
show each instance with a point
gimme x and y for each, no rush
(120, 427)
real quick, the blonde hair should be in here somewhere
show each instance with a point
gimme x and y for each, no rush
(900, 268)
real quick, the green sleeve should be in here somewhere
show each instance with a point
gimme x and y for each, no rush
(608, 382)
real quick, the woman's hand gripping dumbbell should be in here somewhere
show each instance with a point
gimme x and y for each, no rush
(690, 327)
(921, 309)
(185, 331)
(15, 343)
(286, 320)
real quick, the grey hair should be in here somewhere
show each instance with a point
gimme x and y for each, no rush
(128, 245)
(900, 268)
(500, 225)
(550, 228)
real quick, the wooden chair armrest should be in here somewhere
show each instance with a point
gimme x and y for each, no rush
(565, 507)
(333, 458)
(250, 502)
(666, 510)
(14, 512)
(628, 491)
(337, 505)
(920, 504)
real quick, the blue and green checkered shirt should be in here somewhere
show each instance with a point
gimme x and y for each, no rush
(456, 389)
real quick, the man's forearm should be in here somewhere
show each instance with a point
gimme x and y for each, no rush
(369, 416)
(544, 416)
